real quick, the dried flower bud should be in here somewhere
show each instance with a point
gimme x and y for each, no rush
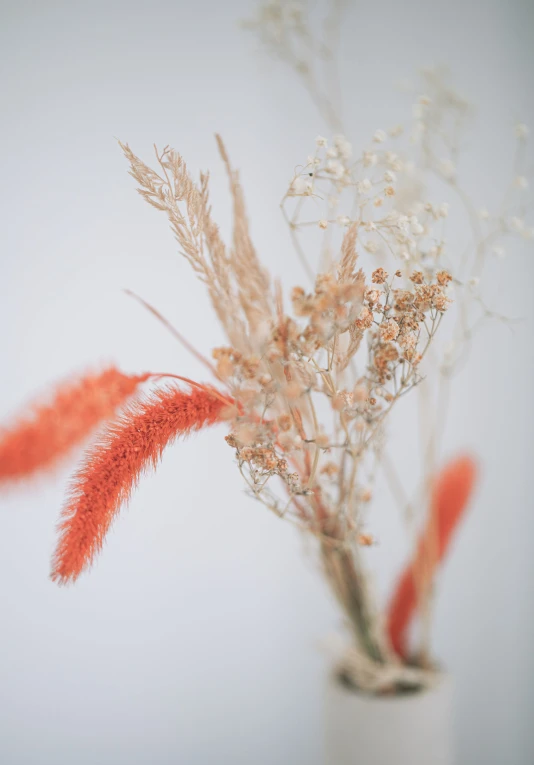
(372, 296)
(441, 302)
(443, 278)
(389, 330)
(365, 319)
(379, 276)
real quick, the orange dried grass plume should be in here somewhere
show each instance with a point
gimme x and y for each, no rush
(450, 495)
(128, 446)
(49, 431)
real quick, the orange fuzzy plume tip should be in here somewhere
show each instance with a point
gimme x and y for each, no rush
(450, 495)
(49, 431)
(128, 446)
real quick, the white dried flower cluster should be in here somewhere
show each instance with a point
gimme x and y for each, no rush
(376, 191)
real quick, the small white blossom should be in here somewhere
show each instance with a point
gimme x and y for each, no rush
(443, 210)
(483, 214)
(343, 220)
(364, 187)
(380, 136)
(332, 152)
(521, 182)
(396, 131)
(323, 223)
(320, 141)
(389, 177)
(394, 162)
(403, 223)
(314, 161)
(521, 130)
(369, 159)
(371, 246)
(335, 167)
(415, 227)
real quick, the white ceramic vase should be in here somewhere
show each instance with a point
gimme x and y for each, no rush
(411, 729)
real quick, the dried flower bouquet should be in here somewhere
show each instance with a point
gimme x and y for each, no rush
(306, 385)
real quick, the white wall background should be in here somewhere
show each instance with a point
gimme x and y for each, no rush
(195, 638)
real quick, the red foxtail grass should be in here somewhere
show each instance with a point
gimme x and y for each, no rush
(128, 446)
(449, 498)
(50, 430)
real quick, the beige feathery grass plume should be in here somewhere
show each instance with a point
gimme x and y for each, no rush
(186, 204)
(252, 280)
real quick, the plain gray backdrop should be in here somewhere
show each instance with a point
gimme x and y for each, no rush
(197, 637)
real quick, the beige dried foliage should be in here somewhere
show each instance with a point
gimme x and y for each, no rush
(251, 278)
(314, 385)
(187, 208)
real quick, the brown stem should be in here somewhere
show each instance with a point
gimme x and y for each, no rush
(347, 584)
